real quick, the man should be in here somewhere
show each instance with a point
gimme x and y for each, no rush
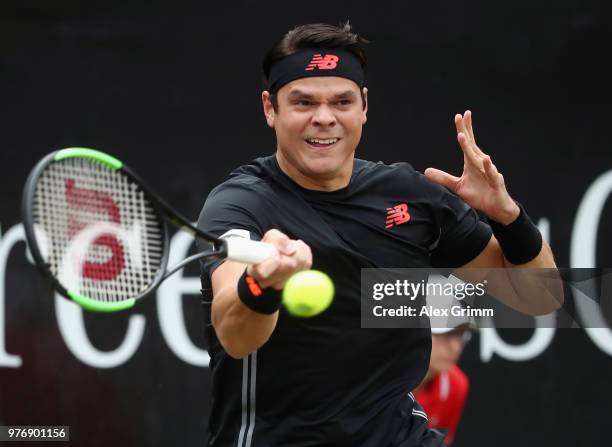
(444, 389)
(324, 381)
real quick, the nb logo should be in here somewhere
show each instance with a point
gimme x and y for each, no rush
(253, 286)
(327, 62)
(397, 215)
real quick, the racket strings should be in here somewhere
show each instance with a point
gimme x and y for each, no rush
(96, 229)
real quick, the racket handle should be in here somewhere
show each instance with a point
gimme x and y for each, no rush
(248, 251)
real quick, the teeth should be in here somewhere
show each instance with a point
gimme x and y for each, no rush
(318, 141)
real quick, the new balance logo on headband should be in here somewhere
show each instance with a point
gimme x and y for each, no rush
(327, 62)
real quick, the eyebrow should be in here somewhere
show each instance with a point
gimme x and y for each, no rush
(300, 94)
(346, 94)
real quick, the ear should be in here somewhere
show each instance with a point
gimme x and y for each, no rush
(268, 108)
(364, 118)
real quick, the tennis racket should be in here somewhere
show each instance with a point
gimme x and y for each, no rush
(101, 236)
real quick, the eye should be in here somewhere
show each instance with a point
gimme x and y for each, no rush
(344, 102)
(304, 103)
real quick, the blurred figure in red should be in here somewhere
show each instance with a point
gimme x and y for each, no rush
(443, 391)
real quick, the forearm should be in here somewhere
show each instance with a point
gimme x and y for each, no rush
(544, 259)
(537, 283)
(531, 288)
(246, 300)
(530, 266)
(240, 330)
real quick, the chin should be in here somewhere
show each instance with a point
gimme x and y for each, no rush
(322, 168)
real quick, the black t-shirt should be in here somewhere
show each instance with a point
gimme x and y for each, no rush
(325, 381)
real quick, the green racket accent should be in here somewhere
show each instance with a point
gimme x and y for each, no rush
(100, 306)
(83, 152)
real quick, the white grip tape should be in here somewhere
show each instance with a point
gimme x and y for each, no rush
(248, 251)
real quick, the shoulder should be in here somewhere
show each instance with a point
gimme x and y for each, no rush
(253, 173)
(243, 185)
(243, 200)
(367, 167)
(398, 177)
(400, 173)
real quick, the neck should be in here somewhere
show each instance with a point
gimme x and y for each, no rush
(337, 180)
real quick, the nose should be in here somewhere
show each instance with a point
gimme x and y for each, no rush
(324, 116)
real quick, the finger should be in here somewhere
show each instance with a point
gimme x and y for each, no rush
(280, 240)
(289, 265)
(274, 235)
(470, 129)
(442, 178)
(467, 119)
(298, 260)
(288, 247)
(461, 126)
(464, 125)
(468, 149)
(467, 146)
(308, 263)
(458, 123)
(493, 175)
(262, 271)
(304, 256)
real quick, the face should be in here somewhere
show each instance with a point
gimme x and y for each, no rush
(446, 350)
(318, 125)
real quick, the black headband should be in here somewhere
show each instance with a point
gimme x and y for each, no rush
(315, 62)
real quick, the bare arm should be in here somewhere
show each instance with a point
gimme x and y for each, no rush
(525, 287)
(493, 257)
(241, 330)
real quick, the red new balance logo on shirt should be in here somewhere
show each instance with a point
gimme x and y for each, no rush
(327, 62)
(397, 215)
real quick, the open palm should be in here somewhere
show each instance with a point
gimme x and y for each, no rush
(481, 186)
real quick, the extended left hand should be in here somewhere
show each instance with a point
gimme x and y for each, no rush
(481, 186)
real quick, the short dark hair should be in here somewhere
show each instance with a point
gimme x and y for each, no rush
(314, 35)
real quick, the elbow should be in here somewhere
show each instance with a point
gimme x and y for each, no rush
(542, 311)
(239, 348)
(236, 344)
(236, 352)
(550, 301)
(239, 330)
(555, 302)
(555, 292)
(231, 343)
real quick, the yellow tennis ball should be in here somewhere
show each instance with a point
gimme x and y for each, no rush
(308, 293)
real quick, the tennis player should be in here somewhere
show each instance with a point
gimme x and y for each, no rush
(324, 381)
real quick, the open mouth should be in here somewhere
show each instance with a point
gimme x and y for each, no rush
(321, 142)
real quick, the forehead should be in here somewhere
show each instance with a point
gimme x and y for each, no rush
(320, 86)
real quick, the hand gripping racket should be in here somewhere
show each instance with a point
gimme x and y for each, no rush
(101, 236)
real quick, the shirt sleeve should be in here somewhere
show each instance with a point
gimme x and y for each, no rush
(228, 212)
(463, 236)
